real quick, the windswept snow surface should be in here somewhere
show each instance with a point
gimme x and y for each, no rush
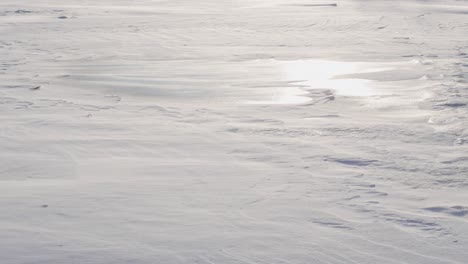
(233, 131)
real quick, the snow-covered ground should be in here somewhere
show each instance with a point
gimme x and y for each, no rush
(233, 131)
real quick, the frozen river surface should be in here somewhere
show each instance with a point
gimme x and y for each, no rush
(233, 132)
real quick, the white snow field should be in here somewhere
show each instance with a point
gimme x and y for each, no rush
(233, 131)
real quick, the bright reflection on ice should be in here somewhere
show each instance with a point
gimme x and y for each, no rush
(321, 74)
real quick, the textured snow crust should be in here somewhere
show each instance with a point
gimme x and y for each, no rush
(233, 131)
